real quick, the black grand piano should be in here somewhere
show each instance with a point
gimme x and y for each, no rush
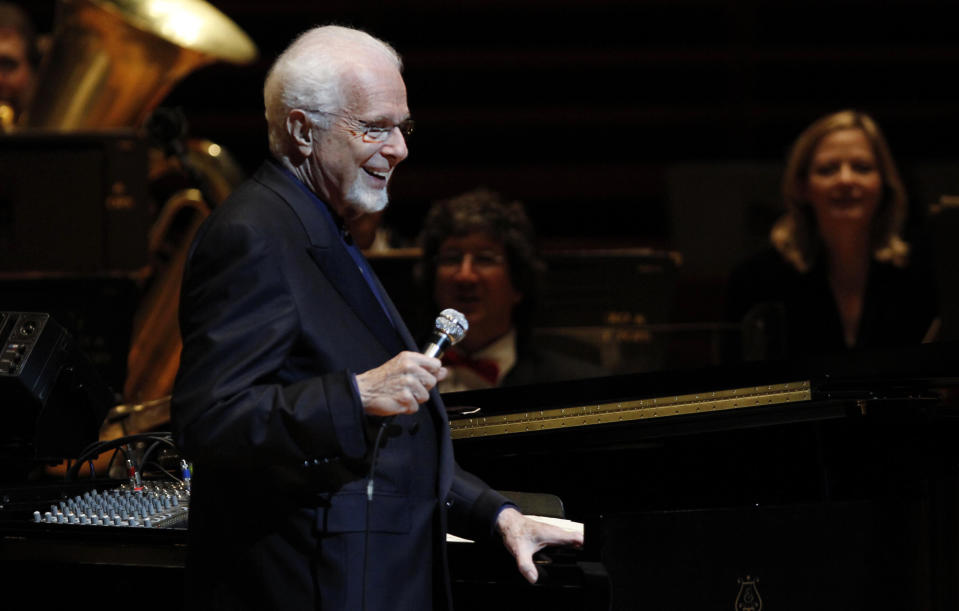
(827, 484)
(823, 484)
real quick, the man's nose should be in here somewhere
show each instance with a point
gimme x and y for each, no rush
(394, 148)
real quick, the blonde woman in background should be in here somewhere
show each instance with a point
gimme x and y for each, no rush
(839, 274)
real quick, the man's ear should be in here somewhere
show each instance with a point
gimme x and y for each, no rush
(300, 128)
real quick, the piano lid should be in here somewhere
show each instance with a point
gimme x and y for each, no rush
(854, 376)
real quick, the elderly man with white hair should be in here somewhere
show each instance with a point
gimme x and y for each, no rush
(324, 474)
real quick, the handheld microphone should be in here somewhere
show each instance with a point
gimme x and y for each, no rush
(448, 329)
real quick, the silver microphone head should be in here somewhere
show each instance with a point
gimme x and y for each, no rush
(453, 324)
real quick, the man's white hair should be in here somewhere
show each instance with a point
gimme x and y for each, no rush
(309, 75)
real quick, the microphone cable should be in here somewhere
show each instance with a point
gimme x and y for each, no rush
(369, 503)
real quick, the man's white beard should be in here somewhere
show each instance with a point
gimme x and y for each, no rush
(364, 199)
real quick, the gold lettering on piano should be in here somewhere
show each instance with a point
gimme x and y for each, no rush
(624, 411)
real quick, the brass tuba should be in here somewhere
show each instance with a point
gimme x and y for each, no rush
(110, 64)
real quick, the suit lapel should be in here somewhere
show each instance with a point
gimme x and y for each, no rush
(331, 257)
(337, 264)
(401, 329)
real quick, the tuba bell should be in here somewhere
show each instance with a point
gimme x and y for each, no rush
(111, 62)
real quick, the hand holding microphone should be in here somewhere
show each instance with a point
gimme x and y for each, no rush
(399, 385)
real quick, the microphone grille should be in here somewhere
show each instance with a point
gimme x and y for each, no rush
(453, 324)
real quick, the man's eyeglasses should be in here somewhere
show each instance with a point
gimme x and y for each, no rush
(481, 260)
(370, 132)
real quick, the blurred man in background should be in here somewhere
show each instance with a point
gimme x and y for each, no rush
(19, 58)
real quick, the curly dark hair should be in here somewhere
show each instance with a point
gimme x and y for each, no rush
(484, 210)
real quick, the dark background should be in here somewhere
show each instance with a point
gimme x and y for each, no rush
(660, 123)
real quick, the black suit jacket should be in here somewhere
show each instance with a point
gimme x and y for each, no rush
(276, 320)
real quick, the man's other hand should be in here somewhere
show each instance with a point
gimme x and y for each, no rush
(524, 537)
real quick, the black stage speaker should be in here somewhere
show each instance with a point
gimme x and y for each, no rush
(52, 400)
(96, 310)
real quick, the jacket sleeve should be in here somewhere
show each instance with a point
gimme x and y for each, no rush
(236, 403)
(473, 506)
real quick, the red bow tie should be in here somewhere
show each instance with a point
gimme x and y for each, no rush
(485, 368)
